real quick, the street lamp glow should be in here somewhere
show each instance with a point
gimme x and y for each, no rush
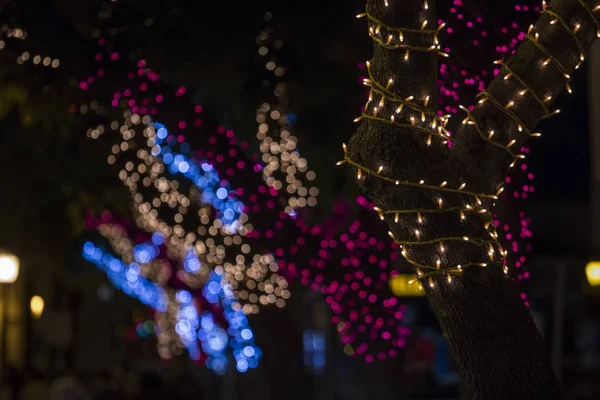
(9, 267)
(592, 271)
(37, 306)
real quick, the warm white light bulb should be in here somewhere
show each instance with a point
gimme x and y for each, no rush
(36, 306)
(9, 268)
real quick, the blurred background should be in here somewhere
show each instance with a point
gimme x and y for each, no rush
(173, 226)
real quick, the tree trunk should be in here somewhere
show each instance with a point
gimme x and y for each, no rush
(436, 200)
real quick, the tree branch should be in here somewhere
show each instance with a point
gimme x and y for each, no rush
(532, 78)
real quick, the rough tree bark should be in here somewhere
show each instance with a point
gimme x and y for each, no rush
(397, 153)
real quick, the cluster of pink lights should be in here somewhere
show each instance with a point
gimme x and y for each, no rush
(363, 307)
(370, 312)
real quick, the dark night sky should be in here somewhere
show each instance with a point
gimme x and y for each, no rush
(561, 159)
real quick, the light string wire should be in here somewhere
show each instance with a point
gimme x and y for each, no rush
(395, 37)
(401, 125)
(423, 210)
(390, 46)
(424, 111)
(505, 109)
(393, 29)
(563, 70)
(493, 243)
(478, 242)
(570, 31)
(441, 188)
(591, 13)
(470, 120)
(527, 88)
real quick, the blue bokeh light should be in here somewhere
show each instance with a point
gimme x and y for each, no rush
(214, 342)
(188, 323)
(314, 351)
(245, 352)
(126, 277)
(202, 174)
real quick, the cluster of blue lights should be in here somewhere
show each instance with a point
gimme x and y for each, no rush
(214, 343)
(314, 351)
(190, 326)
(188, 323)
(158, 238)
(143, 329)
(217, 193)
(204, 176)
(145, 253)
(127, 277)
(246, 354)
(191, 262)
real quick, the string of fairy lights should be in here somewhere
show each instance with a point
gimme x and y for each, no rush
(181, 320)
(7, 33)
(156, 188)
(366, 319)
(366, 314)
(283, 165)
(205, 189)
(355, 301)
(418, 118)
(472, 205)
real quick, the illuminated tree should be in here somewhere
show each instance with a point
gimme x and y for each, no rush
(436, 201)
(460, 76)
